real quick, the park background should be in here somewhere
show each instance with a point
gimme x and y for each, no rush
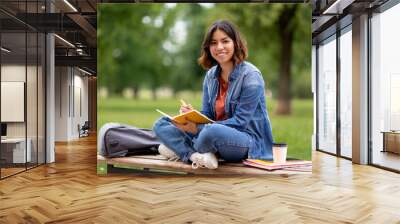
(147, 59)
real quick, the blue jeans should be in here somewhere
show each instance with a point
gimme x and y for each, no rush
(231, 144)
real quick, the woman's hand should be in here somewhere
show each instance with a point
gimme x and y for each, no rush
(188, 126)
(185, 108)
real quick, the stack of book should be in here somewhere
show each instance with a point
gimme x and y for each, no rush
(296, 165)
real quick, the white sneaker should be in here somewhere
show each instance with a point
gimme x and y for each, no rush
(167, 153)
(208, 160)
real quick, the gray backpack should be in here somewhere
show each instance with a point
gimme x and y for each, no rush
(117, 140)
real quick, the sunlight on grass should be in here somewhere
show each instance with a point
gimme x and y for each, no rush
(295, 129)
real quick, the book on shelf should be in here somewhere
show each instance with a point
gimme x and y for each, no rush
(270, 165)
(193, 116)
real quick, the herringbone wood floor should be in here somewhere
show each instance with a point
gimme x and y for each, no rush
(69, 191)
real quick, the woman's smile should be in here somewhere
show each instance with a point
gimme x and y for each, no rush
(223, 54)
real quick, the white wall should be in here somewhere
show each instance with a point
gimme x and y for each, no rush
(62, 81)
(13, 73)
(71, 94)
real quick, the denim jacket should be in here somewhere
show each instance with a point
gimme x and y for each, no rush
(245, 106)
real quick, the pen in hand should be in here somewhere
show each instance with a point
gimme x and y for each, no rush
(185, 107)
(183, 103)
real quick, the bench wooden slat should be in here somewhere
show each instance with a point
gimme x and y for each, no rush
(158, 163)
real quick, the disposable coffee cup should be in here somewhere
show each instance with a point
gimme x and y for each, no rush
(279, 152)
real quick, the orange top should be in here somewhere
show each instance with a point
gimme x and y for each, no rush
(220, 101)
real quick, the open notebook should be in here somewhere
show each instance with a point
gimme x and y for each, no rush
(193, 116)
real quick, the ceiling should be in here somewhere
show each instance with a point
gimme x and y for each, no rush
(74, 22)
(328, 16)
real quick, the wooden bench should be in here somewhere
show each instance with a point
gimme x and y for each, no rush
(157, 163)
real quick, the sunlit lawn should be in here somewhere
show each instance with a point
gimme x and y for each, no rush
(295, 129)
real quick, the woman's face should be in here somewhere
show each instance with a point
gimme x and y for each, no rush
(221, 47)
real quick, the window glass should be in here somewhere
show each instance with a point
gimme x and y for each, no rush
(327, 96)
(385, 88)
(14, 147)
(346, 93)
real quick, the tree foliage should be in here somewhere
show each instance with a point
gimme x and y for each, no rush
(141, 45)
(131, 45)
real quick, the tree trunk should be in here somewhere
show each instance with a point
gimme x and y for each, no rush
(135, 92)
(286, 37)
(154, 93)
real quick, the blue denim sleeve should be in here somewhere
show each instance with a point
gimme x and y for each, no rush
(252, 90)
(206, 107)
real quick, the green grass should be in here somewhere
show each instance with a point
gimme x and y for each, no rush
(295, 129)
